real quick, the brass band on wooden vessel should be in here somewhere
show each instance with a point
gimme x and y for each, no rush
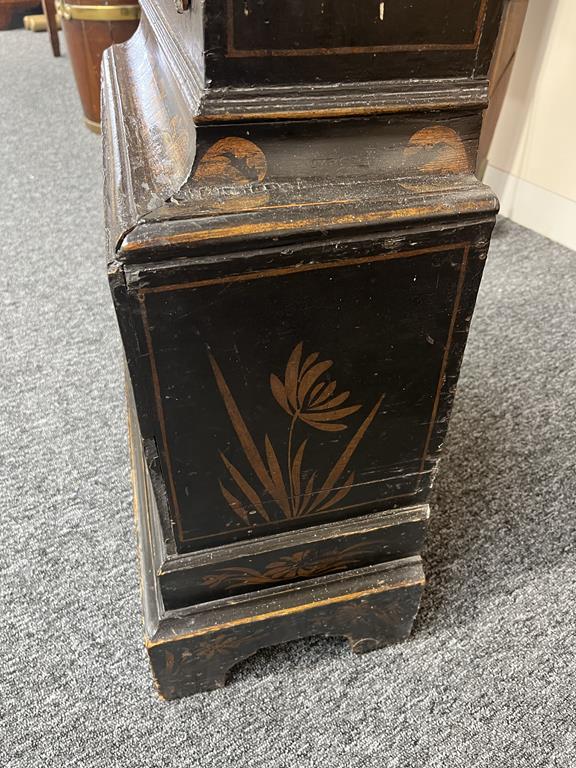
(126, 12)
(89, 29)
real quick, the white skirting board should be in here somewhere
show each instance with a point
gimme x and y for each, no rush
(534, 207)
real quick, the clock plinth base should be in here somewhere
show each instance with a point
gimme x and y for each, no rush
(193, 649)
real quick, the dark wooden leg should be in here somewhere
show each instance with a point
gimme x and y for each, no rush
(49, 9)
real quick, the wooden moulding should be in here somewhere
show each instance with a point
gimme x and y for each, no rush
(293, 556)
(161, 85)
(350, 100)
(193, 648)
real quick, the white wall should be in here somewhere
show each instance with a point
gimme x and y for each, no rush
(532, 158)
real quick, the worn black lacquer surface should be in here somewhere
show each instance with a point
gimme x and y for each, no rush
(384, 324)
(270, 41)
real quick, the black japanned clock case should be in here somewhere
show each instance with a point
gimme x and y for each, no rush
(294, 313)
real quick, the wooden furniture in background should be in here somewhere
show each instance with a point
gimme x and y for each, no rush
(90, 26)
(13, 11)
(296, 243)
(49, 8)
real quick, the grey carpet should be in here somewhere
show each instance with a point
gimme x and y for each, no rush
(488, 676)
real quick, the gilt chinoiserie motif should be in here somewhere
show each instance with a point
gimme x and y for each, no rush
(314, 402)
(295, 566)
(231, 160)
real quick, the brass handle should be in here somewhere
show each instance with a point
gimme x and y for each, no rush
(97, 12)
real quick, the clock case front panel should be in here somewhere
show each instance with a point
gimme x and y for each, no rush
(273, 42)
(286, 394)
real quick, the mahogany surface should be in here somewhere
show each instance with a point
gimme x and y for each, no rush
(86, 41)
(13, 11)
